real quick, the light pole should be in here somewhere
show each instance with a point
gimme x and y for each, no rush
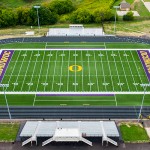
(115, 19)
(145, 86)
(37, 7)
(5, 85)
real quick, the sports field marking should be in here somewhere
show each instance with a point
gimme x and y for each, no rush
(49, 60)
(61, 72)
(96, 71)
(45, 45)
(77, 61)
(117, 70)
(130, 70)
(30, 83)
(89, 71)
(68, 72)
(13, 69)
(19, 71)
(54, 71)
(69, 100)
(26, 71)
(103, 72)
(124, 71)
(39, 77)
(137, 69)
(110, 71)
(82, 72)
(75, 73)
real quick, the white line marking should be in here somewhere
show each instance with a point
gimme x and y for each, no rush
(130, 70)
(49, 60)
(124, 71)
(26, 71)
(39, 76)
(54, 72)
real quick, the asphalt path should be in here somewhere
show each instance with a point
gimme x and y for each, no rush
(78, 39)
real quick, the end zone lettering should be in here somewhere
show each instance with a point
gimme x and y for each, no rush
(5, 57)
(146, 59)
(4, 60)
(144, 56)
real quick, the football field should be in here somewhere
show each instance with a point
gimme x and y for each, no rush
(104, 73)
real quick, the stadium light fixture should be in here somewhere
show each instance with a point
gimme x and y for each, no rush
(145, 87)
(116, 7)
(37, 7)
(6, 85)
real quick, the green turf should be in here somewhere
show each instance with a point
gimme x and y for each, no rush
(119, 100)
(128, 45)
(54, 71)
(133, 133)
(59, 71)
(8, 132)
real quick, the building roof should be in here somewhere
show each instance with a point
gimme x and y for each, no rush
(124, 4)
(87, 128)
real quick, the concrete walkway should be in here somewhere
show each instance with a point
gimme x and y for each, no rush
(147, 5)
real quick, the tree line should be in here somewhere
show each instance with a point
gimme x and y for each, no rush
(49, 13)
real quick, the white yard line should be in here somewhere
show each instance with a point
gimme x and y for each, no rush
(54, 72)
(110, 71)
(103, 72)
(19, 71)
(82, 71)
(13, 69)
(96, 71)
(68, 72)
(61, 71)
(26, 70)
(75, 73)
(89, 72)
(137, 69)
(39, 76)
(117, 70)
(33, 73)
(124, 71)
(130, 70)
(49, 60)
(111, 78)
(46, 45)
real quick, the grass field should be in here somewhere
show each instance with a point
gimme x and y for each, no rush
(74, 70)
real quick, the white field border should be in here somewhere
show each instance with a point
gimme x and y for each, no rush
(66, 49)
(69, 93)
(84, 93)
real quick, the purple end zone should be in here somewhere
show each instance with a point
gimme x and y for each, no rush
(5, 54)
(144, 59)
(75, 94)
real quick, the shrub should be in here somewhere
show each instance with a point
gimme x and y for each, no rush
(129, 16)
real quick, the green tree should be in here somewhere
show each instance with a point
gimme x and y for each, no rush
(103, 14)
(81, 16)
(129, 16)
(61, 6)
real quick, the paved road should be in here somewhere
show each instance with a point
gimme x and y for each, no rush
(78, 39)
(74, 146)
